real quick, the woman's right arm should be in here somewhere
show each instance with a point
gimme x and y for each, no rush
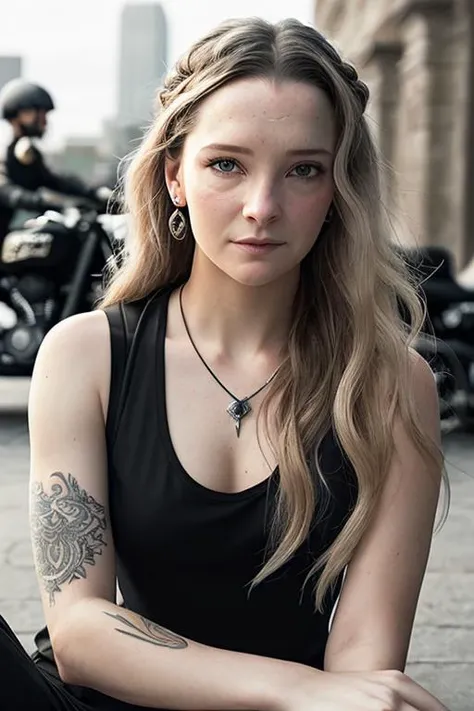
(97, 643)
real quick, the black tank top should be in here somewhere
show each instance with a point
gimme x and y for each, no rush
(186, 554)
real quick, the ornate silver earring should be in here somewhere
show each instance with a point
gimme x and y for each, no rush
(177, 222)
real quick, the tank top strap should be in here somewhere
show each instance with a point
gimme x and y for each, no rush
(125, 324)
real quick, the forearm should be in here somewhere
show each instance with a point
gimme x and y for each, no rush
(366, 656)
(66, 184)
(124, 656)
(16, 197)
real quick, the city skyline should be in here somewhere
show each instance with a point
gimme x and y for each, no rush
(82, 74)
(142, 60)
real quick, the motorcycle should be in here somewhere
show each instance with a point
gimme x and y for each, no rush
(51, 268)
(448, 344)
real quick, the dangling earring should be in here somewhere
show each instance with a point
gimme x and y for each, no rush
(177, 223)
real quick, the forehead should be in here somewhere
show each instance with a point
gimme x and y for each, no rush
(264, 106)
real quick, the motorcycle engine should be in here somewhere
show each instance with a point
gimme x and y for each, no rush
(30, 304)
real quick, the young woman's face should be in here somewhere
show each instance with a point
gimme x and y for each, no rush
(256, 174)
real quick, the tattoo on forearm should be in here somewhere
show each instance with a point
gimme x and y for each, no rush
(67, 528)
(149, 632)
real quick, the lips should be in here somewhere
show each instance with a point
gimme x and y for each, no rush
(258, 243)
(257, 247)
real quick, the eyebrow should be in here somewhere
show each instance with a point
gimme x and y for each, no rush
(246, 151)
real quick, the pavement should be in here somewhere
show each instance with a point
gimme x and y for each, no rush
(442, 649)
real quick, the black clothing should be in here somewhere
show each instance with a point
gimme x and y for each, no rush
(27, 686)
(19, 183)
(186, 554)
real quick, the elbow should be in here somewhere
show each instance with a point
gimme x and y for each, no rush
(63, 646)
(70, 638)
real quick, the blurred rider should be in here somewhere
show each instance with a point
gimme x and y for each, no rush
(22, 168)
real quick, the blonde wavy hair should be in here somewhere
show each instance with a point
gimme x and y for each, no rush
(355, 375)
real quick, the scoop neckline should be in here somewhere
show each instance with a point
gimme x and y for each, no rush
(160, 389)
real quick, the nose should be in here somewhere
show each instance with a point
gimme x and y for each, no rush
(262, 204)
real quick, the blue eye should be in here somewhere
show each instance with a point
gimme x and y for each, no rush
(224, 165)
(307, 170)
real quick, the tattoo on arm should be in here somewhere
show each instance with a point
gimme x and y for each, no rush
(149, 632)
(67, 529)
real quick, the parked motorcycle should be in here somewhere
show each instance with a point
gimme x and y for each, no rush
(50, 269)
(450, 347)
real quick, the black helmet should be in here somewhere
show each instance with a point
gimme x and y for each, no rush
(19, 94)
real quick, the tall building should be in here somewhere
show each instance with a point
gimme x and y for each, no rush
(10, 68)
(417, 56)
(143, 52)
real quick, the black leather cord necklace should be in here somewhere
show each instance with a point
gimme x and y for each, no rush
(239, 407)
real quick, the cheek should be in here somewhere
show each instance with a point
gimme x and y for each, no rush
(310, 210)
(210, 200)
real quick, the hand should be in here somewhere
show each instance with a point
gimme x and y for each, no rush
(360, 691)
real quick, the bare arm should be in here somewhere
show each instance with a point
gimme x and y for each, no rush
(374, 618)
(95, 642)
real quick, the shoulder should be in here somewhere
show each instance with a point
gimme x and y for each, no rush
(26, 151)
(422, 389)
(76, 353)
(78, 335)
(421, 375)
(415, 383)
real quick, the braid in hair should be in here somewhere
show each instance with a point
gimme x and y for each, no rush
(182, 75)
(347, 72)
(359, 87)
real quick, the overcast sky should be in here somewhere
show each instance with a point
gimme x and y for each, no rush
(71, 47)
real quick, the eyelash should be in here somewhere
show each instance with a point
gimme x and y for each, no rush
(215, 161)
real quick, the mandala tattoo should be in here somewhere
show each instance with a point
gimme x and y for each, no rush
(149, 632)
(67, 531)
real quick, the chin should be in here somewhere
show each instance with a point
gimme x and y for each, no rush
(258, 277)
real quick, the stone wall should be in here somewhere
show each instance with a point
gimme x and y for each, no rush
(417, 56)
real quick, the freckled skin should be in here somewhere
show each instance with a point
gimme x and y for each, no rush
(262, 196)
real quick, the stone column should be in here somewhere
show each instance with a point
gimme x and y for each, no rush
(466, 25)
(424, 143)
(381, 71)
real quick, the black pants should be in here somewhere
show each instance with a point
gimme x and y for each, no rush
(27, 686)
(23, 686)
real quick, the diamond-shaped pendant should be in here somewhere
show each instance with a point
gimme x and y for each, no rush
(237, 410)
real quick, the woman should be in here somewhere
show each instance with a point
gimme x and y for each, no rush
(268, 428)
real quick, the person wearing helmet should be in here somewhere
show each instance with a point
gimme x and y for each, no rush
(22, 168)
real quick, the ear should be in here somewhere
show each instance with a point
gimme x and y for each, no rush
(174, 178)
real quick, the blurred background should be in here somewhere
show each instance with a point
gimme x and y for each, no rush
(417, 57)
(103, 61)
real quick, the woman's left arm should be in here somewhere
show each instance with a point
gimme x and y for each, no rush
(374, 618)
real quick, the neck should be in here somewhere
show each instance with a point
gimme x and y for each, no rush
(241, 321)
